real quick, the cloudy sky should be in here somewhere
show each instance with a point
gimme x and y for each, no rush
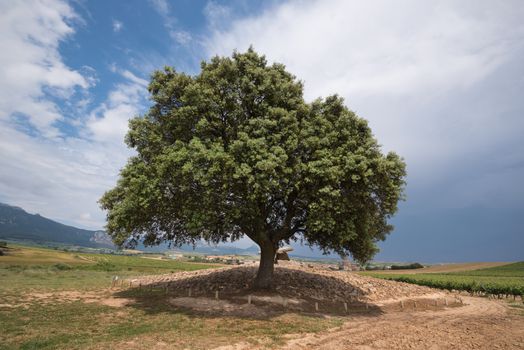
(441, 83)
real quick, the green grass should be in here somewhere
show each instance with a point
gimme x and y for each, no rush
(505, 279)
(59, 323)
(510, 270)
(39, 268)
(74, 325)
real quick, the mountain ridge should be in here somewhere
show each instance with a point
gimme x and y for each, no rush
(18, 224)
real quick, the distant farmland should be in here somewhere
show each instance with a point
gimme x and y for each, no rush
(505, 279)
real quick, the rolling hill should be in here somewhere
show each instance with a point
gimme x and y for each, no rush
(16, 223)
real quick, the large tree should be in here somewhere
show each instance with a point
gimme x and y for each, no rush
(235, 151)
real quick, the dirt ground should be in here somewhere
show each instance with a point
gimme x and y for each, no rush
(387, 315)
(380, 314)
(474, 323)
(479, 324)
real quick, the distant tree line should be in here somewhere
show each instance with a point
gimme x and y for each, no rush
(407, 267)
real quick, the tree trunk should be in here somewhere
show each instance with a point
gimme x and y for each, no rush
(264, 277)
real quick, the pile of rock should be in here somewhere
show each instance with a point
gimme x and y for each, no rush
(293, 280)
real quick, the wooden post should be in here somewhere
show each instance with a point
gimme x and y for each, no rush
(284, 302)
(415, 304)
(367, 306)
(316, 306)
(249, 299)
(346, 306)
(216, 295)
(189, 292)
(402, 304)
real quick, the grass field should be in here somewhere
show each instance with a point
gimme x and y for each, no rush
(503, 279)
(37, 311)
(41, 268)
(445, 268)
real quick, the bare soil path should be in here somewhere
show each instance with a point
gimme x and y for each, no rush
(479, 324)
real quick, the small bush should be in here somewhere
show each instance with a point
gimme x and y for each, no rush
(62, 267)
(104, 266)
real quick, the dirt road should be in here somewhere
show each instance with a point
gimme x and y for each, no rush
(479, 324)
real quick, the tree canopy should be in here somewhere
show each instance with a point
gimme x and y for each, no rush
(236, 150)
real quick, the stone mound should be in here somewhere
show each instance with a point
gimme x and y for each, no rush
(292, 280)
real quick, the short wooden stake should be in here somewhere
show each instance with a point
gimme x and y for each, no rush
(216, 295)
(346, 306)
(249, 299)
(367, 306)
(402, 304)
(316, 306)
(140, 286)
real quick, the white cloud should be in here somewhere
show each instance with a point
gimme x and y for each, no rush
(392, 48)
(133, 78)
(216, 14)
(117, 26)
(108, 122)
(63, 178)
(161, 6)
(30, 65)
(181, 37)
(423, 73)
(55, 174)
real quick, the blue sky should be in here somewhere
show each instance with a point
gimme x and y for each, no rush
(439, 81)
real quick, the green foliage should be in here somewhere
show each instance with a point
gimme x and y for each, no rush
(407, 267)
(237, 151)
(506, 279)
(104, 266)
(62, 266)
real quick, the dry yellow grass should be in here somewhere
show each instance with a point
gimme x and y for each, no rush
(34, 256)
